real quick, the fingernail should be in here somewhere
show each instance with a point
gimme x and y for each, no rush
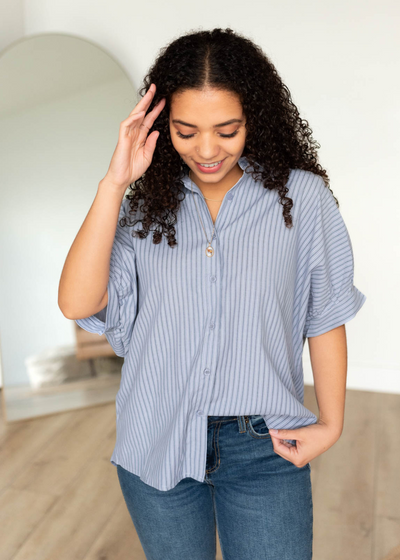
(274, 432)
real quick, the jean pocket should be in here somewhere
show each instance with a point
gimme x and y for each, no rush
(257, 427)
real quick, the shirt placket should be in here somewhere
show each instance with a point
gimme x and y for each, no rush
(208, 357)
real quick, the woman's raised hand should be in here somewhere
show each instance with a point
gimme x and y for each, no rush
(134, 151)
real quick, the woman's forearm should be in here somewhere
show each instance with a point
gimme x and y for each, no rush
(328, 355)
(84, 278)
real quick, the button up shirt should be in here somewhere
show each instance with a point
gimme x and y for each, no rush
(221, 335)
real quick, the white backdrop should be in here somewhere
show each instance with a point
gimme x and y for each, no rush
(340, 62)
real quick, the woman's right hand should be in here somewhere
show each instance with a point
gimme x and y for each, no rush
(134, 151)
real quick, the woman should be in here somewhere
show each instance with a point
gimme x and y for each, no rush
(248, 257)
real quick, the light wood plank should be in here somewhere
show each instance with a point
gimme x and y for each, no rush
(72, 525)
(60, 496)
(59, 462)
(344, 493)
(387, 500)
(21, 511)
(387, 538)
(393, 554)
(23, 440)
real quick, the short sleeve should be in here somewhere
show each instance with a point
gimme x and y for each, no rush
(333, 298)
(117, 319)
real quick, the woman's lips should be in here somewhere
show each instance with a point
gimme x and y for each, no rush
(209, 169)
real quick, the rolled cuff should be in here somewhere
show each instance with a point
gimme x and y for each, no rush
(110, 313)
(340, 310)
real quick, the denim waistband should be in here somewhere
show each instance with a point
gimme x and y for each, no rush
(225, 418)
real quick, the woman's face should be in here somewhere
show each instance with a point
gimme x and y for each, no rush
(207, 127)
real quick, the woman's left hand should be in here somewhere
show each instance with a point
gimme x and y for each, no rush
(311, 441)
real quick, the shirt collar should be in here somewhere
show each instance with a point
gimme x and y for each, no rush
(242, 162)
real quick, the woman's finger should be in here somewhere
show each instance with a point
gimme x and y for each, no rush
(132, 118)
(146, 100)
(150, 146)
(151, 117)
(144, 124)
(134, 121)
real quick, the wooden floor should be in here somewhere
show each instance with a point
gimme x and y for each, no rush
(60, 498)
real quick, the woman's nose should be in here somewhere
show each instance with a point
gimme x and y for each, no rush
(207, 151)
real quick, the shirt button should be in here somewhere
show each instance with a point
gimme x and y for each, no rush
(199, 413)
(207, 371)
(212, 326)
(229, 196)
(213, 278)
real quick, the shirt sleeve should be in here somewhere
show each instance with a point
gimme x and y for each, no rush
(333, 298)
(116, 320)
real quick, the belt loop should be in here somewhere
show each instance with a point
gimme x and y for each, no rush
(242, 424)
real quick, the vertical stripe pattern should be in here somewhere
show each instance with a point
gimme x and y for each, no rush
(222, 335)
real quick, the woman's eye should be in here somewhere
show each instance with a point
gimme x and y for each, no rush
(183, 135)
(229, 135)
(222, 135)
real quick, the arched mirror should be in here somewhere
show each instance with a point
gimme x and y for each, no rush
(61, 102)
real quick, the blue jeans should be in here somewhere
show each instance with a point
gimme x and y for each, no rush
(260, 502)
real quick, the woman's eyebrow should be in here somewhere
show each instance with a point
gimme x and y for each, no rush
(215, 126)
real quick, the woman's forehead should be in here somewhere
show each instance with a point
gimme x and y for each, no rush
(210, 100)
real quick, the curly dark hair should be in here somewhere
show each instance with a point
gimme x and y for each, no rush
(277, 139)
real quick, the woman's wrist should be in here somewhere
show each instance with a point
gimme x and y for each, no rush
(334, 425)
(106, 185)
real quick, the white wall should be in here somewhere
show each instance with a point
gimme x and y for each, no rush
(38, 225)
(340, 61)
(11, 21)
(11, 29)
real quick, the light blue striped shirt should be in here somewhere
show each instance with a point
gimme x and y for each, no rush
(222, 335)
